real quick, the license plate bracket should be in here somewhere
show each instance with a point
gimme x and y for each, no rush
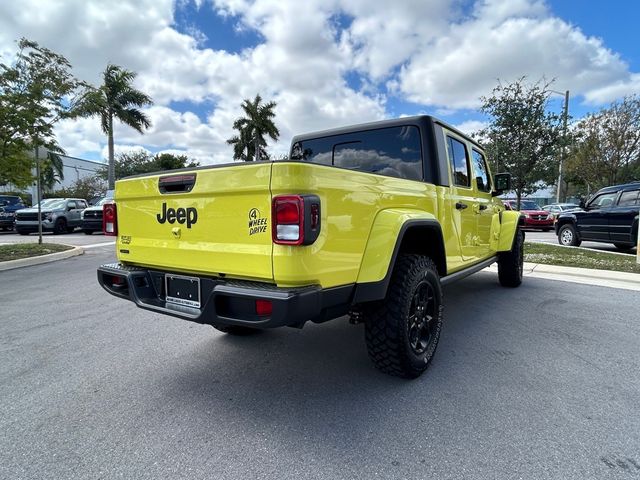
(182, 290)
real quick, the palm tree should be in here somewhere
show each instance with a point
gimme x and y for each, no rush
(250, 143)
(116, 99)
(52, 170)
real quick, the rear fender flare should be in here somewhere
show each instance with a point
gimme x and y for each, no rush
(385, 239)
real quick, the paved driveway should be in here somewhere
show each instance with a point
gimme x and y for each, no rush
(77, 238)
(539, 382)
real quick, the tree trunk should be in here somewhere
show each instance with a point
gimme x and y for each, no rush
(39, 193)
(518, 198)
(112, 165)
(257, 145)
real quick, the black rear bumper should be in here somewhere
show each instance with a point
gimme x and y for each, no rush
(228, 302)
(93, 224)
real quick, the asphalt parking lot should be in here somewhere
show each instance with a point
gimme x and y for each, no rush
(551, 237)
(77, 238)
(536, 382)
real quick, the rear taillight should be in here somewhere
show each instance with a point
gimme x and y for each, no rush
(109, 219)
(288, 217)
(296, 219)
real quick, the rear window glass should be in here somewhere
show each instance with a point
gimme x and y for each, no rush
(393, 151)
(629, 198)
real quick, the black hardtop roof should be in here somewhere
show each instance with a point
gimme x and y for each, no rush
(393, 122)
(624, 186)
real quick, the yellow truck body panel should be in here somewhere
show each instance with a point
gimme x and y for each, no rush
(221, 241)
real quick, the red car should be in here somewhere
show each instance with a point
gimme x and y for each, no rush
(534, 217)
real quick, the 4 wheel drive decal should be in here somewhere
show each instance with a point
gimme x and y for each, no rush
(180, 215)
(256, 223)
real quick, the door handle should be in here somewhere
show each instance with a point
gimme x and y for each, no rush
(461, 206)
(477, 207)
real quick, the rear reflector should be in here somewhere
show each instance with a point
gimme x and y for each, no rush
(109, 219)
(264, 307)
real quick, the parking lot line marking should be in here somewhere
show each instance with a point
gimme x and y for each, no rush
(96, 245)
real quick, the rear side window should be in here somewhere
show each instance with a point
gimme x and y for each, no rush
(629, 198)
(459, 162)
(481, 171)
(393, 151)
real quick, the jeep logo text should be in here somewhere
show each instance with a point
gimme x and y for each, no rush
(180, 215)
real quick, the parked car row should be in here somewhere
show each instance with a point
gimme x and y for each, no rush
(58, 215)
(609, 216)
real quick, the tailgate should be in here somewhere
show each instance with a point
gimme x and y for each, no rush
(215, 223)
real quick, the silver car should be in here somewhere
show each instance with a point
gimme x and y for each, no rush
(558, 208)
(59, 215)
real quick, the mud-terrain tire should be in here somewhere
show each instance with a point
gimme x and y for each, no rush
(403, 330)
(568, 236)
(60, 226)
(511, 263)
(236, 330)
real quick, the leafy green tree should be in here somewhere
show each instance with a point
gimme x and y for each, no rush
(36, 91)
(606, 146)
(116, 99)
(140, 161)
(250, 143)
(523, 137)
(87, 187)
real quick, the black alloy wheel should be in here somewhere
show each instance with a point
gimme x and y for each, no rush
(422, 313)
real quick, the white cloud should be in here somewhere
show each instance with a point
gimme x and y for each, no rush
(430, 52)
(628, 85)
(508, 40)
(471, 126)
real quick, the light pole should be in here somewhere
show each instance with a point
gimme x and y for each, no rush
(565, 117)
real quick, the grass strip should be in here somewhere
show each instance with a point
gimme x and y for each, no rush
(577, 257)
(26, 250)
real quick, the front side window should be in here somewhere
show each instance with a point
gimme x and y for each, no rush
(393, 151)
(603, 201)
(459, 161)
(481, 171)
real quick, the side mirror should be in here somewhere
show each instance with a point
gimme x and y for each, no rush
(582, 203)
(502, 183)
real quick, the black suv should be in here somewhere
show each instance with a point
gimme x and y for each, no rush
(11, 204)
(609, 216)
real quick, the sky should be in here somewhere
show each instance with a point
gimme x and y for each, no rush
(326, 63)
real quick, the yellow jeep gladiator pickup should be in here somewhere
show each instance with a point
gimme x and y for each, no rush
(368, 220)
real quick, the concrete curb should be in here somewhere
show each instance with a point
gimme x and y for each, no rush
(585, 276)
(51, 257)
